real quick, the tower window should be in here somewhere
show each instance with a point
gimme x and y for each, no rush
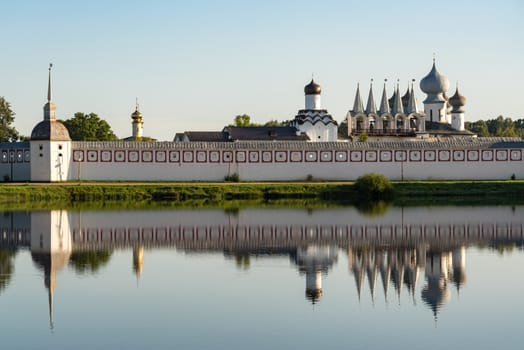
(59, 146)
(40, 147)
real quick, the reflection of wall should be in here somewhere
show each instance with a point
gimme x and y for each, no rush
(293, 227)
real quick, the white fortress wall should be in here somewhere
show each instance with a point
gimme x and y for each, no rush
(419, 160)
(15, 160)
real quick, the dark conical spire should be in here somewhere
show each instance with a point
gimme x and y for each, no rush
(371, 108)
(397, 102)
(384, 103)
(358, 106)
(412, 102)
(49, 84)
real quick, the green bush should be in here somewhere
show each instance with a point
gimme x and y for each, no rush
(373, 186)
(232, 178)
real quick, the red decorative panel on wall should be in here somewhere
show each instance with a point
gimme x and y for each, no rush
(174, 156)
(281, 156)
(355, 156)
(92, 156)
(415, 155)
(201, 156)
(487, 155)
(515, 155)
(78, 156)
(473, 155)
(386, 156)
(341, 156)
(147, 156)
(295, 156)
(459, 155)
(254, 157)
(106, 156)
(240, 156)
(311, 156)
(133, 156)
(214, 156)
(267, 156)
(444, 155)
(326, 156)
(401, 156)
(227, 156)
(371, 156)
(160, 156)
(187, 156)
(501, 155)
(430, 155)
(120, 156)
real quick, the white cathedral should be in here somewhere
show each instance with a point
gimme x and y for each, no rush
(400, 115)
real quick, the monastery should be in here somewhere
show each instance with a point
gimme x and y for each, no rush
(401, 142)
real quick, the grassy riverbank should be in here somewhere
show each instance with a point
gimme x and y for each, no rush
(120, 194)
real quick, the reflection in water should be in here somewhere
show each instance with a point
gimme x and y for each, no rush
(6, 267)
(393, 248)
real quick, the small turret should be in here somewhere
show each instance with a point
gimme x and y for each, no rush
(138, 123)
(457, 102)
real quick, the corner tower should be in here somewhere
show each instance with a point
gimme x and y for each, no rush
(50, 145)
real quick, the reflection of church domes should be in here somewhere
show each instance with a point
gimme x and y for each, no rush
(435, 296)
(312, 88)
(313, 261)
(434, 83)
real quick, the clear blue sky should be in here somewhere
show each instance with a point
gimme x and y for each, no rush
(194, 65)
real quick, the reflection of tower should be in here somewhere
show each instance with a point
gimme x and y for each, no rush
(313, 261)
(50, 247)
(435, 294)
(138, 261)
(459, 267)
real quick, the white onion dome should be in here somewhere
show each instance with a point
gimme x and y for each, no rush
(434, 83)
(457, 101)
(312, 88)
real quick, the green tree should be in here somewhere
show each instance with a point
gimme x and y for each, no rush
(89, 127)
(363, 137)
(7, 117)
(480, 127)
(90, 261)
(242, 120)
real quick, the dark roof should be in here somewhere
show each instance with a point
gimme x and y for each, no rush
(50, 129)
(264, 133)
(445, 129)
(202, 136)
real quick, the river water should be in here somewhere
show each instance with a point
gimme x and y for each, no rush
(263, 278)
